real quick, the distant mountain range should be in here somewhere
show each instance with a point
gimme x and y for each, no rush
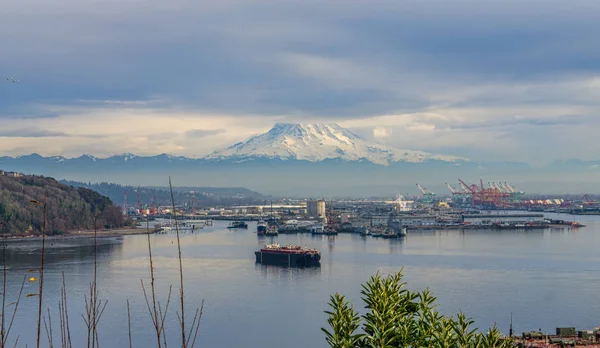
(308, 160)
(186, 196)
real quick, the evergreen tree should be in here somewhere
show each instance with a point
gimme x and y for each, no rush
(396, 317)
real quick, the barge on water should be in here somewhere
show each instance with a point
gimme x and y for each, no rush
(289, 255)
(238, 224)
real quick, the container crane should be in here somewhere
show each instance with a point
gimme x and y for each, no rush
(516, 194)
(472, 190)
(506, 188)
(587, 200)
(480, 195)
(458, 195)
(454, 192)
(427, 195)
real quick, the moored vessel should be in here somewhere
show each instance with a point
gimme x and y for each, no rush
(238, 224)
(364, 231)
(261, 227)
(316, 229)
(272, 231)
(289, 255)
(327, 230)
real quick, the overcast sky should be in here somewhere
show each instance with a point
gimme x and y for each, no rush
(484, 79)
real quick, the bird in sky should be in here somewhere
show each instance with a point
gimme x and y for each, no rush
(12, 79)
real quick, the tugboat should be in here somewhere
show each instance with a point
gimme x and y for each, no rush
(403, 232)
(330, 230)
(272, 231)
(316, 229)
(289, 255)
(238, 224)
(364, 231)
(261, 227)
(377, 232)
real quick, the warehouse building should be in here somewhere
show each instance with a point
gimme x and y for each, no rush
(489, 219)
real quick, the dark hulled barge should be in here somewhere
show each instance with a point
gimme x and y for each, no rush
(237, 224)
(289, 255)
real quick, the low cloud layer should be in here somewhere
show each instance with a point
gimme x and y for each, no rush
(494, 80)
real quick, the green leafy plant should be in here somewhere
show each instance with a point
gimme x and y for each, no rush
(398, 317)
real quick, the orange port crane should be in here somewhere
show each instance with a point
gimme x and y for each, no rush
(587, 200)
(480, 195)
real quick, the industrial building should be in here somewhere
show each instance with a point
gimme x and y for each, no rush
(316, 209)
(379, 220)
(489, 219)
(416, 220)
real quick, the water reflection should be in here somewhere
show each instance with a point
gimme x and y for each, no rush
(396, 245)
(274, 272)
(59, 251)
(478, 271)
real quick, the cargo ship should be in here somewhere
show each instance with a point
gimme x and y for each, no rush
(289, 255)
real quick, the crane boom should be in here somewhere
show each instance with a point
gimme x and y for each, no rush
(466, 187)
(423, 191)
(451, 189)
(512, 189)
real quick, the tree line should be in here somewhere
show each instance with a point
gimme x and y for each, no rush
(184, 196)
(67, 208)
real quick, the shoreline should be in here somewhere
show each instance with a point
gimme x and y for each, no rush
(103, 233)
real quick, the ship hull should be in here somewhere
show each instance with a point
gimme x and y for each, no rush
(288, 259)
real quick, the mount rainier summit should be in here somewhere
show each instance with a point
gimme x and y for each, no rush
(318, 142)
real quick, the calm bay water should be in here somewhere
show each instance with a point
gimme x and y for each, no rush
(545, 278)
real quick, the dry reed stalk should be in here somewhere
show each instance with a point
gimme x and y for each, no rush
(181, 292)
(65, 331)
(41, 274)
(94, 307)
(185, 343)
(2, 337)
(4, 331)
(129, 324)
(154, 309)
(49, 334)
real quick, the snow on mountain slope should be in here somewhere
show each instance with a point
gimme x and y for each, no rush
(317, 142)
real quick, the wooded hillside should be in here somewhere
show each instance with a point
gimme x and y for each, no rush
(67, 208)
(184, 196)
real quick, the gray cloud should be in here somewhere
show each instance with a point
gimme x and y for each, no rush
(473, 64)
(41, 133)
(200, 133)
(31, 133)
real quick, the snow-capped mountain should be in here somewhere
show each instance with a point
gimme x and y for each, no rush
(318, 142)
(310, 159)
